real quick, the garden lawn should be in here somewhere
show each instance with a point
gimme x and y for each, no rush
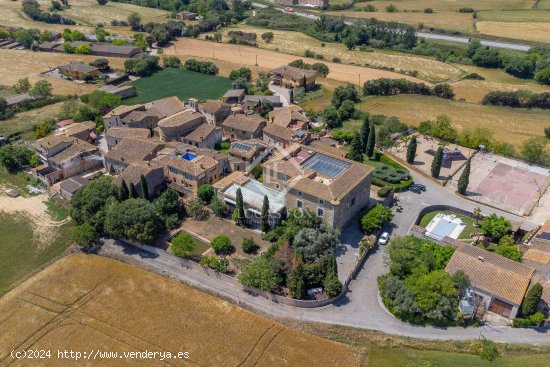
(181, 83)
(468, 230)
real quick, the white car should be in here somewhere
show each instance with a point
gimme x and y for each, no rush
(384, 238)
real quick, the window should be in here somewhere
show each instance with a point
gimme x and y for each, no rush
(352, 202)
(201, 176)
(277, 186)
(299, 204)
(188, 176)
(300, 193)
(282, 176)
(321, 202)
(320, 212)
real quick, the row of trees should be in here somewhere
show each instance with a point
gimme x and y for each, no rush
(204, 67)
(519, 98)
(363, 142)
(142, 66)
(319, 67)
(32, 9)
(390, 87)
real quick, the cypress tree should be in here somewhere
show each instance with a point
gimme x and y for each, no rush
(133, 191)
(436, 163)
(464, 179)
(241, 220)
(296, 283)
(264, 219)
(364, 132)
(369, 149)
(411, 150)
(124, 193)
(532, 298)
(356, 153)
(144, 188)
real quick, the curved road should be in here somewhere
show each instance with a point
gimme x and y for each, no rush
(497, 44)
(361, 307)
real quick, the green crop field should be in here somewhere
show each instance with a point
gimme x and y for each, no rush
(181, 83)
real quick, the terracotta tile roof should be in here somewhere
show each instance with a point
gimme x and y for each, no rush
(229, 180)
(131, 150)
(284, 116)
(78, 67)
(492, 273)
(278, 131)
(79, 127)
(121, 110)
(195, 167)
(201, 133)
(52, 141)
(537, 256)
(180, 118)
(232, 93)
(77, 148)
(243, 149)
(127, 132)
(292, 72)
(326, 147)
(166, 106)
(289, 162)
(212, 107)
(249, 123)
(132, 173)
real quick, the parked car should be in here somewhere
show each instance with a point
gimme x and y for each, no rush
(417, 188)
(384, 238)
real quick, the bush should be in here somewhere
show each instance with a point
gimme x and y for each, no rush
(533, 320)
(182, 244)
(249, 246)
(428, 10)
(206, 192)
(204, 67)
(213, 262)
(375, 218)
(171, 62)
(532, 298)
(384, 191)
(221, 244)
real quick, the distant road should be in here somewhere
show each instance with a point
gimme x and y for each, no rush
(505, 45)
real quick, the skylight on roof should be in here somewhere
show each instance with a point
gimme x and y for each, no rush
(325, 165)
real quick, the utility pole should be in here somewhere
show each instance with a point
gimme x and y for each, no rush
(359, 80)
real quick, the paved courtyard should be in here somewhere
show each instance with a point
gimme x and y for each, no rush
(454, 155)
(505, 183)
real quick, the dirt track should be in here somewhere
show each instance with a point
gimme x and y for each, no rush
(247, 56)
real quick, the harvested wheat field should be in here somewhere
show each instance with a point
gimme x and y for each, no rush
(86, 302)
(246, 56)
(17, 64)
(296, 42)
(474, 90)
(529, 31)
(511, 125)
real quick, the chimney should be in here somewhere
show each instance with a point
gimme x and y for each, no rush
(480, 258)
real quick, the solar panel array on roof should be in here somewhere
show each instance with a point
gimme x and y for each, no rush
(241, 146)
(325, 165)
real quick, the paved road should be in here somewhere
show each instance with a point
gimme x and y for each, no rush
(362, 306)
(456, 39)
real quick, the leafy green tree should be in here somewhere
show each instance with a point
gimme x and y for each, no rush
(464, 179)
(268, 37)
(218, 207)
(375, 218)
(511, 252)
(264, 218)
(22, 86)
(436, 163)
(262, 273)
(84, 234)
(435, 294)
(134, 20)
(15, 157)
(486, 349)
(249, 246)
(171, 62)
(241, 73)
(295, 282)
(144, 188)
(241, 219)
(133, 191)
(533, 150)
(169, 208)
(543, 76)
(88, 204)
(182, 244)
(206, 192)
(310, 243)
(221, 244)
(461, 281)
(371, 142)
(41, 88)
(124, 192)
(411, 150)
(346, 110)
(356, 152)
(321, 69)
(531, 300)
(331, 117)
(134, 220)
(495, 227)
